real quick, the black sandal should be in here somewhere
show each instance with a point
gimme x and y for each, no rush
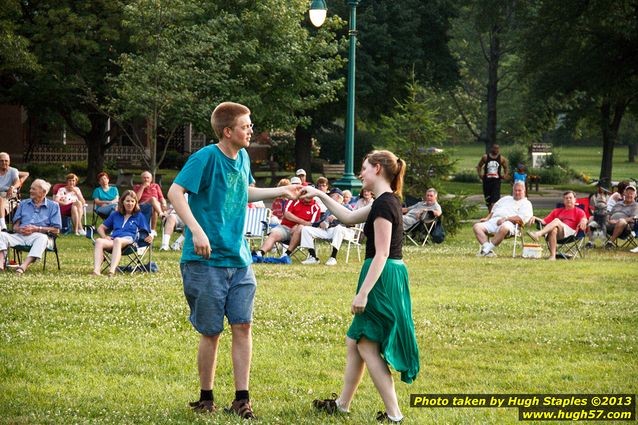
(241, 408)
(328, 405)
(203, 406)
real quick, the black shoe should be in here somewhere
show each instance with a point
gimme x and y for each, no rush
(384, 418)
(328, 405)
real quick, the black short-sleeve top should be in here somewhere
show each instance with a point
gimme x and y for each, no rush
(386, 206)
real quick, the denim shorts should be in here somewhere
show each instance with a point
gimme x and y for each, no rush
(215, 292)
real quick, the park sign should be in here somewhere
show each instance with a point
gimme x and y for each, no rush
(540, 152)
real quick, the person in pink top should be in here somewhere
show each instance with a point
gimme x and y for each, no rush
(150, 198)
(561, 223)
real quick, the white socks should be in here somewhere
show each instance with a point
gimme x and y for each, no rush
(3, 223)
(166, 239)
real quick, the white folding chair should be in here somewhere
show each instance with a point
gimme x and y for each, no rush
(353, 237)
(256, 224)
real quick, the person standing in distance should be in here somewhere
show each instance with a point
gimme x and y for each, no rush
(491, 169)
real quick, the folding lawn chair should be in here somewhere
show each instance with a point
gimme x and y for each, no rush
(571, 247)
(139, 254)
(421, 230)
(256, 224)
(353, 237)
(628, 238)
(52, 246)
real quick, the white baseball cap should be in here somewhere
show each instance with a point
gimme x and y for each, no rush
(300, 172)
(295, 180)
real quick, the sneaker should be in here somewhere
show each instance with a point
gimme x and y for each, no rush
(164, 248)
(589, 244)
(331, 261)
(384, 418)
(285, 259)
(634, 250)
(177, 246)
(489, 254)
(81, 232)
(241, 408)
(610, 245)
(311, 260)
(328, 405)
(203, 406)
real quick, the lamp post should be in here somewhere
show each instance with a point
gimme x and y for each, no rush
(317, 17)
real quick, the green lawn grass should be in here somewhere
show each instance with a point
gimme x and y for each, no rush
(79, 349)
(585, 159)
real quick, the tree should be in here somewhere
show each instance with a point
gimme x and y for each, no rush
(189, 56)
(586, 50)
(74, 44)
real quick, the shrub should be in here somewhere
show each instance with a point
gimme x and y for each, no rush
(517, 155)
(466, 176)
(553, 175)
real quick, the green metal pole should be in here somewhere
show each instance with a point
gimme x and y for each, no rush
(349, 181)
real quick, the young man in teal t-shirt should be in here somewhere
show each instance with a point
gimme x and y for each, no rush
(216, 262)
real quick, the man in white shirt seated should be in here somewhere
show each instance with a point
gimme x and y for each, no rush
(506, 213)
(421, 210)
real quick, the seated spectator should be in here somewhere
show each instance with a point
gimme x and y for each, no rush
(561, 223)
(9, 185)
(365, 198)
(71, 202)
(302, 212)
(279, 204)
(151, 199)
(622, 217)
(617, 196)
(598, 220)
(124, 224)
(506, 213)
(172, 222)
(34, 218)
(301, 174)
(348, 201)
(420, 210)
(322, 184)
(328, 228)
(104, 196)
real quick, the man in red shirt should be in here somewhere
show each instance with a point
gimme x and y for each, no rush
(561, 223)
(302, 212)
(150, 198)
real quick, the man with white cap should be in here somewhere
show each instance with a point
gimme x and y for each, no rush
(301, 173)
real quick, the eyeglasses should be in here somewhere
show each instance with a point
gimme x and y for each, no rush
(245, 127)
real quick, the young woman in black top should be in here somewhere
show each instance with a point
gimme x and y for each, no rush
(382, 330)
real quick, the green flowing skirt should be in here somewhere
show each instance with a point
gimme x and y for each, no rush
(387, 319)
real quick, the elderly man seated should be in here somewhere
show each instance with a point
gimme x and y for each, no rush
(151, 198)
(34, 218)
(421, 210)
(561, 223)
(328, 228)
(506, 213)
(622, 218)
(9, 183)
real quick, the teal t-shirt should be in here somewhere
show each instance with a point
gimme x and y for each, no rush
(218, 197)
(108, 195)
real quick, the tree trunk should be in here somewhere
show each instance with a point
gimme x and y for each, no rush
(96, 145)
(303, 150)
(632, 152)
(492, 87)
(609, 125)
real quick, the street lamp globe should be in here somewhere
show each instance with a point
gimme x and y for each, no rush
(318, 12)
